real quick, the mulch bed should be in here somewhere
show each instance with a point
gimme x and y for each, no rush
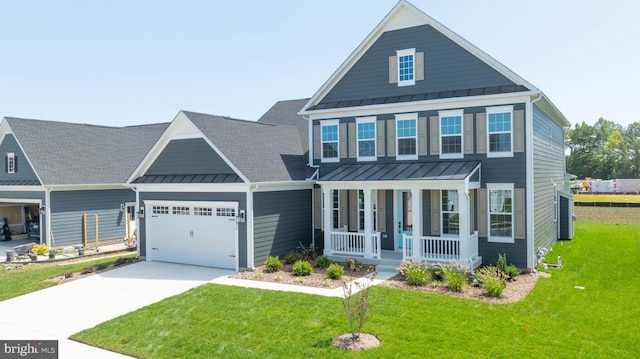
(285, 275)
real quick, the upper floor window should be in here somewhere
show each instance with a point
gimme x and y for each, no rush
(366, 138)
(451, 134)
(499, 131)
(330, 141)
(406, 136)
(500, 212)
(11, 162)
(406, 67)
(450, 215)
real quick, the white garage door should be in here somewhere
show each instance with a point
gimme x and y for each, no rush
(200, 233)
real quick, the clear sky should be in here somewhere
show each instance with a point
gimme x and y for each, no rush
(131, 62)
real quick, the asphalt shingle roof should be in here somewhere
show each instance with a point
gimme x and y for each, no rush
(74, 154)
(263, 152)
(286, 113)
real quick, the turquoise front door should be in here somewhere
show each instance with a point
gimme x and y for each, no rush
(405, 216)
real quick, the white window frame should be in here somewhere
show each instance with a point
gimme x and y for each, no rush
(455, 211)
(493, 111)
(451, 113)
(500, 187)
(363, 120)
(11, 162)
(361, 209)
(404, 117)
(407, 52)
(327, 123)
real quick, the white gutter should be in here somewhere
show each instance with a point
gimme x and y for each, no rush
(250, 232)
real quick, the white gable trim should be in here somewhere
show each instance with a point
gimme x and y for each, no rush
(5, 129)
(405, 15)
(180, 128)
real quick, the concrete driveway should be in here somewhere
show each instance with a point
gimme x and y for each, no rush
(57, 312)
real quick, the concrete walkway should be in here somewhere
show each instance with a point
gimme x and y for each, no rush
(57, 312)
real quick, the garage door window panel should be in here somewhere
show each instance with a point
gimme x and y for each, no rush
(203, 211)
(181, 211)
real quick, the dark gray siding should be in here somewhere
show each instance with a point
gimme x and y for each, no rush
(516, 252)
(67, 208)
(24, 172)
(28, 195)
(282, 220)
(448, 67)
(241, 198)
(548, 168)
(191, 156)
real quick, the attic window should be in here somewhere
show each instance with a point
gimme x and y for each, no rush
(11, 163)
(406, 67)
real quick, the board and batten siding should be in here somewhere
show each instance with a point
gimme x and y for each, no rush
(189, 156)
(548, 168)
(67, 208)
(24, 171)
(447, 67)
(239, 197)
(281, 221)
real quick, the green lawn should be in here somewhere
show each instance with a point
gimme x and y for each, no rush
(556, 319)
(33, 276)
(617, 198)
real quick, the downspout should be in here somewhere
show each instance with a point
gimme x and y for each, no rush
(314, 177)
(250, 232)
(138, 232)
(47, 215)
(530, 177)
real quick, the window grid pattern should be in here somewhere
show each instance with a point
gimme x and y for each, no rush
(11, 163)
(501, 213)
(405, 68)
(451, 131)
(182, 211)
(335, 209)
(406, 132)
(160, 209)
(450, 214)
(203, 211)
(499, 132)
(225, 212)
(330, 141)
(366, 139)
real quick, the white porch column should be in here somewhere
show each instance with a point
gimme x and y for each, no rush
(416, 213)
(465, 225)
(368, 223)
(327, 222)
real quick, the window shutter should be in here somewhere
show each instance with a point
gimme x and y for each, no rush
(343, 140)
(519, 228)
(419, 66)
(435, 212)
(382, 211)
(317, 142)
(391, 138)
(481, 132)
(472, 211)
(468, 133)
(353, 210)
(518, 131)
(15, 163)
(482, 212)
(353, 140)
(317, 205)
(344, 214)
(422, 136)
(393, 69)
(434, 135)
(380, 146)
(6, 164)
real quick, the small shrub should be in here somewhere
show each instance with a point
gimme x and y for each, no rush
(437, 273)
(307, 252)
(335, 271)
(299, 280)
(455, 274)
(492, 280)
(273, 264)
(356, 300)
(355, 264)
(292, 257)
(326, 282)
(512, 271)
(257, 275)
(415, 273)
(87, 270)
(279, 278)
(323, 262)
(40, 249)
(302, 268)
(501, 262)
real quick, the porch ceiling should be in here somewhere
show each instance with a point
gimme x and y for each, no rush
(427, 171)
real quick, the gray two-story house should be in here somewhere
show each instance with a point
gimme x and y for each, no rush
(428, 148)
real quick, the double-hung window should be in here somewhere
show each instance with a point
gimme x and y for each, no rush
(11, 162)
(451, 134)
(499, 131)
(450, 212)
(406, 136)
(500, 212)
(366, 138)
(406, 67)
(330, 141)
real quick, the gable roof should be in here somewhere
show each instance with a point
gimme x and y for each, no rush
(64, 153)
(262, 152)
(286, 113)
(405, 15)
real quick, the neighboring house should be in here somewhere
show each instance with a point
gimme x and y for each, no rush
(223, 192)
(55, 173)
(430, 149)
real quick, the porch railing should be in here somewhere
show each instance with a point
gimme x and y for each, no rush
(440, 248)
(353, 243)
